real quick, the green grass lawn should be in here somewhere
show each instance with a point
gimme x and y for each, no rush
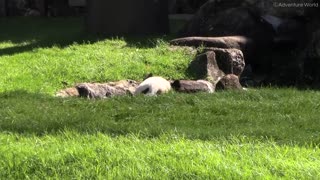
(262, 133)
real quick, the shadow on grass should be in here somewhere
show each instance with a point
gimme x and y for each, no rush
(61, 32)
(32, 33)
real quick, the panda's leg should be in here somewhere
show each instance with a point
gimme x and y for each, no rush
(153, 91)
(146, 91)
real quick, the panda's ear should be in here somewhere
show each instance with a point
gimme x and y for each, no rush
(147, 76)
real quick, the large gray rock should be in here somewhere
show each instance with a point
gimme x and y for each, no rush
(214, 63)
(242, 43)
(96, 90)
(104, 90)
(68, 92)
(99, 90)
(239, 28)
(229, 82)
(284, 49)
(230, 61)
(205, 66)
(189, 86)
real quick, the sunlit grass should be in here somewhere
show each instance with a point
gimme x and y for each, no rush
(73, 155)
(31, 66)
(266, 133)
(10, 44)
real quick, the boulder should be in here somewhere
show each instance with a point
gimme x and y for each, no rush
(230, 61)
(104, 90)
(99, 90)
(284, 47)
(214, 63)
(68, 92)
(189, 86)
(229, 82)
(256, 34)
(242, 43)
(205, 66)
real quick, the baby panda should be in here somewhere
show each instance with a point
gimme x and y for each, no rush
(153, 85)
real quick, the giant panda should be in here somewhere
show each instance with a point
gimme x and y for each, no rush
(153, 86)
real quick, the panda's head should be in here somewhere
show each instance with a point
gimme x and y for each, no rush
(175, 84)
(147, 76)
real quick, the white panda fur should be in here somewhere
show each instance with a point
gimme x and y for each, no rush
(153, 86)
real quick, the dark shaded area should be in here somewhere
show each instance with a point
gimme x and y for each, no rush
(3, 8)
(197, 69)
(42, 32)
(62, 32)
(123, 17)
(185, 6)
(43, 8)
(286, 48)
(234, 21)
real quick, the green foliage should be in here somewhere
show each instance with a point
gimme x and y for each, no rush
(265, 133)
